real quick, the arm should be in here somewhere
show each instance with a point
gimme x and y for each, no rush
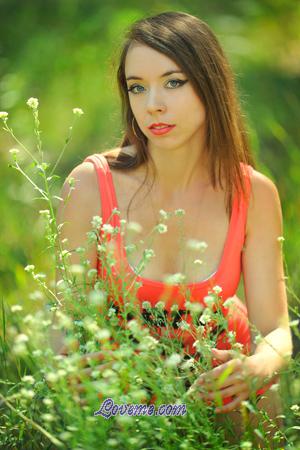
(76, 212)
(263, 274)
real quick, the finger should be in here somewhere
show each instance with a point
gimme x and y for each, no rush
(227, 392)
(223, 355)
(234, 378)
(213, 375)
(232, 405)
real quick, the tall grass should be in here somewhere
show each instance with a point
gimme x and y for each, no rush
(83, 346)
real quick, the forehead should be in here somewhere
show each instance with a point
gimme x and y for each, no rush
(142, 60)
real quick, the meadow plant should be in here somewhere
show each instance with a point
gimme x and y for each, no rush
(49, 395)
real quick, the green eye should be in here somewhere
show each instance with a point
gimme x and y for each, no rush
(135, 86)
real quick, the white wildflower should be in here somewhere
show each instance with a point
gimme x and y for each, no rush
(175, 278)
(90, 325)
(48, 401)
(149, 253)
(179, 212)
(77, 111)
(61, 373)
(198, 261)
(209, 300)
(194, 244)
(217, 289)
(103, 334)
(161, 228)
(44, 212)
(92, 273)
(27, 393)
(37, 276)
(36, 295)
(97, 297)
(274, 387)
(133, 325)
(96, 222)
(21, 338)
(148, 343)
(28, 318)
(164, 215)
(14, 151)
(196, 307)
(20, 349)
(134, 227)
(205, 317)
(65, 435)
(3, 115)
(173, 360)
(183, 325)
(52, 377)
(64, 321)
(160, 305)
(116, 211)
(146, 305)
(77, 269)
(47, 417)
(238, 346)
(186, 365)
(107, 228)
(246, 445)
(130, 248)
(33, 103)
(16, 308)
(28, 379)
(231, 335)
(174, 308)
(295, 408)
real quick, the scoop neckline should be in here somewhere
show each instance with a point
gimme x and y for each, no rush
(162, 284)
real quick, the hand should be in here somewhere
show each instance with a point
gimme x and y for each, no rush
(233, 378)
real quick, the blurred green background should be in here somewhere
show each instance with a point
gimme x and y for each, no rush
(62, 52)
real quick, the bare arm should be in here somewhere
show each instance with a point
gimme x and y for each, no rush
(75, 213)
(265, 290)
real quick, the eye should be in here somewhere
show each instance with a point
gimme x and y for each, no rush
(178, 84)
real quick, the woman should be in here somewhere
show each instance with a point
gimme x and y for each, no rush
(184, 132)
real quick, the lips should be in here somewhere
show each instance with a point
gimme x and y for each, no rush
(160, 125)
(163, 130)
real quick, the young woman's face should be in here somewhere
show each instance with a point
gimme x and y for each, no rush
(159, 98)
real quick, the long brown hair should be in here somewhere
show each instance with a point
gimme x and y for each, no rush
(191, 44)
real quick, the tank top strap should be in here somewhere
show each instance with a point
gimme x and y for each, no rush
(106, 188)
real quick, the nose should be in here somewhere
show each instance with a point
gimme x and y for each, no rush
(155, 102)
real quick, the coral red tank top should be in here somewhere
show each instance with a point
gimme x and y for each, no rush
(227, 275)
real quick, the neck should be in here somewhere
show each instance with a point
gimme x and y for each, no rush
(178, 171)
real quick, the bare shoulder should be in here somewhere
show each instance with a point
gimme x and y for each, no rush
(264, 202)
(81, 190)
(263, 187)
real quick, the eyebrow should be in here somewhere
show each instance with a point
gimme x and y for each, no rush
(169, 72)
